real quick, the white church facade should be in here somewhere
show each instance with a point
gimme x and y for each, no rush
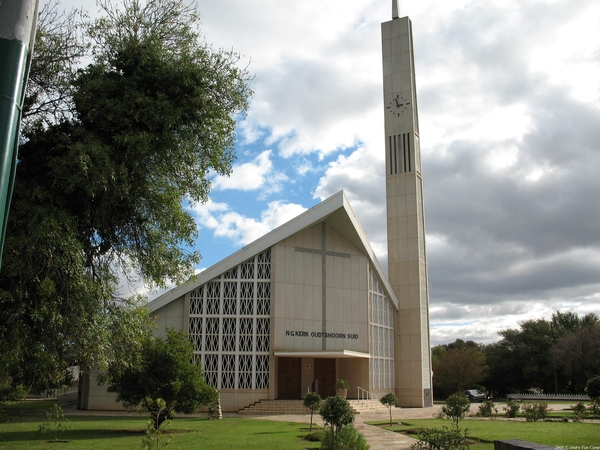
(308, 303)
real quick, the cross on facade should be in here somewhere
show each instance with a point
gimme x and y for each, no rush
(324, 253)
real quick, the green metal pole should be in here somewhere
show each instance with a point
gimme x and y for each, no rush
(18, 20)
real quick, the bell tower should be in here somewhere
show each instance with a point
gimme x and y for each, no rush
(407, 259)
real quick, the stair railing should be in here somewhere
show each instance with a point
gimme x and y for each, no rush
(363, 394)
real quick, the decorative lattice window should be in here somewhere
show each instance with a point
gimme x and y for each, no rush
(230, 325)
(381, 321)
(231, 274)
(195, 331)
(245, 372)
(263, 297)
(212, 334)
(197, 301)
(263, 330)
(213, 297)
(246, 331)
(264, 265)
(262, 372)
(229, 299)
(211, 368)
(228, 371)
(247, 270)
(246, 299)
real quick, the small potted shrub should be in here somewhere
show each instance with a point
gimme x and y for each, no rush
(341, 388)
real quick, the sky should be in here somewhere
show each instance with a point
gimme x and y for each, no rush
(509, 113)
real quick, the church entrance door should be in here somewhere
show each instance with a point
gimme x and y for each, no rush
(288, 379)
(325, 374)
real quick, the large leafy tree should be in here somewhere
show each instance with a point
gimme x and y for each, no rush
(576, 352)
(163, 370)
(111, 155)
(457, 366)
(521, 360)
(556, 355)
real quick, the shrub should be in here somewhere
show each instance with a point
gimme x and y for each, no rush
(487, 408)
(594, 408)
(441, 439)
(593, 387)
(580, 412)
(511, 409)
(456, 407)
(348, 438)
(312, 401)
(336, 411)
(341, 384)
(535, 411)
(314, 437)
(12, 393)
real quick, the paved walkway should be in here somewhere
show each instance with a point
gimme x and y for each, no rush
(377, 437)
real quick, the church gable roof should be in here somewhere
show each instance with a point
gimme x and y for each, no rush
(334, 211)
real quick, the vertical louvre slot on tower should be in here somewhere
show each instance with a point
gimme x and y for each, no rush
(399, 155)
(391, 154)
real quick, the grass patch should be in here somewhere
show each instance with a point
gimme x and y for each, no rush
(29, 405)
(485, 432)
(120, 433)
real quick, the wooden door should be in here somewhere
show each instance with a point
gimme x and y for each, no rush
(325, 374)
(288, 379)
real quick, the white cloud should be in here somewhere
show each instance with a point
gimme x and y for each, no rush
(248, 176)
(241, 229)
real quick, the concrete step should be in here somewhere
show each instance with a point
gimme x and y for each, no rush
(276, 407)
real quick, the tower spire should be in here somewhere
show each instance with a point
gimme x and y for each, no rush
(407, 257)
(395, 9)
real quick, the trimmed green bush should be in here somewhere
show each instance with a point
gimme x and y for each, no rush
(456, 408)
(511, 409)
(535, 411)
(337, 413)
(348, 438)
(312, 401)
(441, 439)
(580, 412)
(487, 408)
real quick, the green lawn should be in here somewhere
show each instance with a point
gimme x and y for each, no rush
(116, 433)
(487, 431)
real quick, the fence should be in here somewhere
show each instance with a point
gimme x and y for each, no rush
(62, 395)
(531, 396)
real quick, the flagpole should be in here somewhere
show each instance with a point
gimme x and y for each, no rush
(18, 20)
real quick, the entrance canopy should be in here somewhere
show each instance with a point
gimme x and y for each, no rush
(322, 354)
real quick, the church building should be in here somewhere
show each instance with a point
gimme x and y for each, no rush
(308, 303)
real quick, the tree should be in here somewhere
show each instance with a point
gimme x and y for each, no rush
(337, 413)
(312, 401)
(522, 360)
(102, 187)
(389, 400)
(455, 408)
(557, 355)
(458, 366)
(593, 388)
(577, 352)
(164, 380)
